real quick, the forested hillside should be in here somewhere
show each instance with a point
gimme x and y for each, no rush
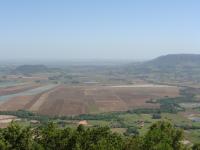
(172, 67)
(161, 136)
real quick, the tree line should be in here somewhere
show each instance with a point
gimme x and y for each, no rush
(161, 136)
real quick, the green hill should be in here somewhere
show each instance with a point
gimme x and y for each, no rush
(175, 60)
(173, 67)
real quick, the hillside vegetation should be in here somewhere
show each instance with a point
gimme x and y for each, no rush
(173, 67)
(161, 136)
(176, 60)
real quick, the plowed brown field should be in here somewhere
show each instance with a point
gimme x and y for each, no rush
(69, 100)
(17, 89)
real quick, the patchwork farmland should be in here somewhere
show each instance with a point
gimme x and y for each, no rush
(73, 100)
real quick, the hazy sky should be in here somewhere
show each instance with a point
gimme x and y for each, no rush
(98, 29)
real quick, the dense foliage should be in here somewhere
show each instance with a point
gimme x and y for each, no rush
(27, 115)
(161, 136)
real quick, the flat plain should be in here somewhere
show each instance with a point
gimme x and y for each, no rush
(74, 100)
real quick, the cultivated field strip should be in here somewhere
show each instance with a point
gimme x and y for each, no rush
(73, 100)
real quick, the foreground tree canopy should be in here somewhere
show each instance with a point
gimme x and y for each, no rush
(161, 136)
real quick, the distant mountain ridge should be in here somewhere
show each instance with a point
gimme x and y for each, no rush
(29, 69)
(174, 60)
(172, 67)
